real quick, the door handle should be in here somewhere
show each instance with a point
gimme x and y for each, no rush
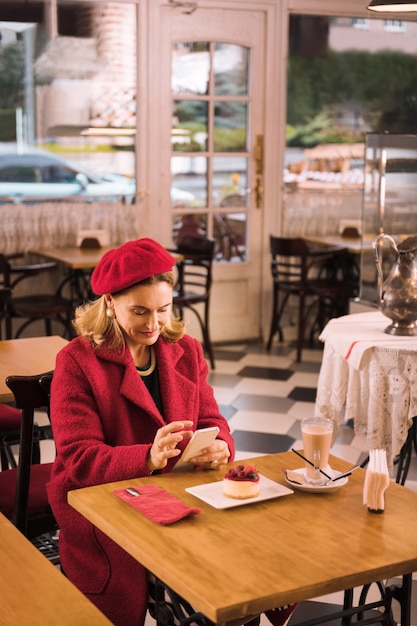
(259, 192)
(259, 160)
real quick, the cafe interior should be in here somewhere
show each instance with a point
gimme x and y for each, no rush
(300, 286)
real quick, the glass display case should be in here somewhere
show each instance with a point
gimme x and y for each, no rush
(389, 202)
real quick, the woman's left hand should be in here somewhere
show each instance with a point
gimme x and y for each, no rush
(214, 456)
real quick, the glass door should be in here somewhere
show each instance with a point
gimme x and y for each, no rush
(212, 74)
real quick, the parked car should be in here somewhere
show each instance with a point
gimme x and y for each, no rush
(36, 173)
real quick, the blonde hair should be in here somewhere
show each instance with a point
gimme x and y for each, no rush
(92, 322)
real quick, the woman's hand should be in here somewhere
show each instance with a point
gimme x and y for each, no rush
(164, 446)
(213, 456)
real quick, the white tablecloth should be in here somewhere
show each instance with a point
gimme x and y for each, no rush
(370, 377)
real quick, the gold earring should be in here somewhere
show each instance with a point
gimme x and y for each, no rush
(110, 313)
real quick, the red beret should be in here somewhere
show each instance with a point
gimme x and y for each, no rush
(130, 264)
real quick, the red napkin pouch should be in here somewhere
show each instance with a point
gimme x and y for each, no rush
(157, 504)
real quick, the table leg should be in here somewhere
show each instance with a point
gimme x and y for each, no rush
(169, 609)
(403, 596)
(79, 285)
(347, 603)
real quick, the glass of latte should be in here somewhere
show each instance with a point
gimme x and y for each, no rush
(317, 435)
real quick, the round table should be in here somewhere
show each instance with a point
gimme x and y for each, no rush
(369, 377)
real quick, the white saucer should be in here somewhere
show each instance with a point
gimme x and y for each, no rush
(318, 488)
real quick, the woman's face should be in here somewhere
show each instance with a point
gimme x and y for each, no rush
(143, 311)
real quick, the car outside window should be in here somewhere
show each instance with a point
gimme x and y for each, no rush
(58, 174)
(17, 174)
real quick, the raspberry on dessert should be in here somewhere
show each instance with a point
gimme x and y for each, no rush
(243, 472)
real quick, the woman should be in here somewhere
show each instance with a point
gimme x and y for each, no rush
(126, 395)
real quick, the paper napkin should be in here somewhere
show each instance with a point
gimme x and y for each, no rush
(157, 504)
(376, 481)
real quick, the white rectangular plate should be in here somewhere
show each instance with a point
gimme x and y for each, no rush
(212, 493)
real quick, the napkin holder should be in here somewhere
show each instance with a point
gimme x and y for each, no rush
(376, 481)
(100, 236)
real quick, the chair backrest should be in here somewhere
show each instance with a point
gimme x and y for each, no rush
(289, 259)
(195, 269)
(5, 270)
(194, 246)
(29, 395)
(5, 303)
(234, 200)
(14, 274)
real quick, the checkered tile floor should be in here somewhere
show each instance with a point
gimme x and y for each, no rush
(263, 396)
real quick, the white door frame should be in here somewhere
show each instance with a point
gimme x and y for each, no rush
(155, 206)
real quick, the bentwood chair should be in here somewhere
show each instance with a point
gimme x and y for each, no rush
(194, 283)
(315, 276)
(231, 243)
(23, 496)
(47, 307)
(10, 418)
(10, 422)
(5, 303)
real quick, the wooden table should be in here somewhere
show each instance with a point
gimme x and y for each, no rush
(244, 560)
(353, 245)
(80, 262)
(35, 592)
(26, 357)
(74, 258)
(79, 258)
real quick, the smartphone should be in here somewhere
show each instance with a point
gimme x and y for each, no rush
(200, 439)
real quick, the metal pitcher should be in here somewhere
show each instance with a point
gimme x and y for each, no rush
(398, 293)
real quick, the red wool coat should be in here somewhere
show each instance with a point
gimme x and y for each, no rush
(104, 421)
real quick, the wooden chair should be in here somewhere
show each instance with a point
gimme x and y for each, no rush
(194, 283)
(10, 417)
(314, 276)
(5, 303)
(23, 496)
(10, 422)
(231, 243)
(46, 306)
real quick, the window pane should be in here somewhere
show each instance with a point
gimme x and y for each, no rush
(230, 119)
(190, 68)
(189, 181)
(231, 70)
(230, 233)
(191, 224)
(189, 126)
(230, 176)
(83, 81)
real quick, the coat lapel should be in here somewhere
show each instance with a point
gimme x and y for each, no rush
(177, 391)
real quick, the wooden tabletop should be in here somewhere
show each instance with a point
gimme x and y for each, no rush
(79, 258)
(74, 258)
(26, 357)
(33, 591)
(241, 561)
(354, 246)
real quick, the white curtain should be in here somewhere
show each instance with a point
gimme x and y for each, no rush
(55, 224)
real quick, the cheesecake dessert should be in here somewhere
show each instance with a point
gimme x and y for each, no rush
(241, 482)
